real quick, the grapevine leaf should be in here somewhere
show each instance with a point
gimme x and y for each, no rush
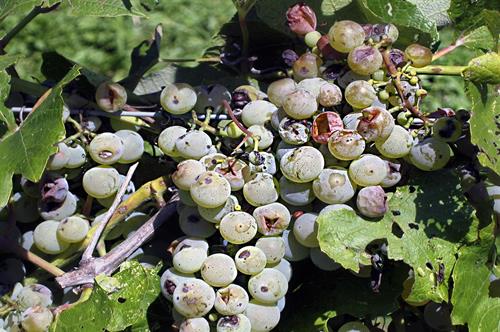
(11, 7)
(435, 10)
(244, 6)
(329, 7)
(27, 150)
(108, 8)
(480, 38)
(484, 69)
(468, 14)
(5, 114)
(485, 123)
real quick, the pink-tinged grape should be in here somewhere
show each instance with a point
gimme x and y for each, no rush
(193, 298)
(167, 139)
(346, 144)
(238, 227)
(420, 56)
(215, 215)
(346, 35)
(260, 190)
(300, 104)
(37, 319)
(364, 60)
(322, 261)
(273, 247)
(46, 239)
(110, 97)
(198, 324)
(101, 181)
(306, 66)
(294, 132)
(193, 144)
(169, 281)
(333, 186)
(189, 259)
(298, 194)
(263, 317)
(430, 154)
(302, 165)
(360, 94)
(73, 229)
(397, 145)
(368, 170)
(250, 260)
(272, 219)
(447, 129)
(210, 190)
(376, 124)
(305, 230)
(268, 286)
(106, 148)
(178, 98)
(278, 90)
(294, 251)
(187, 172)
(231, 300)
(133, 146)
(219, 270)
(264, 136)
(257, 112)
(372, 201)
(354, 326)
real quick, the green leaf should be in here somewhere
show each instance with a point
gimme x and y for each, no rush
(485, 122)
(484, 69)
(329, 7)
(480, 38)
(6, 114)
(108, 8)
(467, 14)
(244, 6)
(27, 150)
(435, 10)
(12, 7)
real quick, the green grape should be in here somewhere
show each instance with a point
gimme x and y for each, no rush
(46, 239)
(108, 201)
(306, 66)
(300, 104)
(257, 112)
(133, 146)
(364, 60)
(167, 139)
(178, 98)
(272, 219)
(376, 124)
(210, 190)
(278, 90)
(305, 230)
(215, 215)
(238, 227)
(284, 267)
(189, 259)
(354, 326)
(219, 270)
(235, 323)
(368, 170)
(260, 190)
(263, 317)
(302, 165)
(24, 207)
(335, 207)
(379, 75)
(346, 144)
(420, 56)
(250, 260)
(187, 172)
(198, 324)
(193, 144)
(294, 251)
(430, 154)
(360, 94)
(333, 186)
(268, 286)
(294, 132)
(311, 38)
(192, 224)
(346, 35)
(298, 194)
(264, 136)
(37, 319)
(322, 261)
(273, 248)
(185, 198)
(193, 298)
(169, 281)
(106, 148)
(277, 117)
(110, 97)
(397, 145)
(231, 300)
(59, 211)
(101, 181)
(447, 129)
(77, 156)
(437, 316)
(329, 95)
(60, 159)
(372, 202)
(73, 229)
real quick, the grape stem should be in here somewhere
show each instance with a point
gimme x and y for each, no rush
(439, 70)
(448, 49)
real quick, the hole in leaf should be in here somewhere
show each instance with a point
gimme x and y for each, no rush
(122, 300)
(396, 230)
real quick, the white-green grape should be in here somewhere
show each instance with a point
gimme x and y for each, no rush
(300, 104)
(397, 145)
(238, 227)
(250, 260)
(437, 316)
(58, 160)
(101, 181)
(133, 146)
(277, 117)
(282, 149)
(261, 162)
(210, 189)
(215, 215)
(368, 170)
(197, 324)
(234, 323)
(37, 319)
(294, 132)
(312, 85)
(360, 94)
(46, 238)
(322, 261)
(345, 35)
(193, 298)
(264, 136)
(257, 112)
(178, 98)
(170, 279)
(272, 219)
(189, 259)
(298, 194)
(376, 124)
(333, 186)
(106, 148)
(263, 317)
(335, 207)
(330, 160)
(167, 139)
(284, 267)
(278, 90)
(305, 230)
(346, 144)
(260, 190)
(24, 207)
(188, 242)
(447, 129)
(187, 172)
(193, 144)
(73, 229)
(32, 296)
(219, 270)
(273, 247)
(372, 201)
(329, 95)
(294, 251)
(231, 300)
(77, 156)
(354, 326)
(61, 210)
(430, 154)
(192, 224)
(268, 286)
(302, 165)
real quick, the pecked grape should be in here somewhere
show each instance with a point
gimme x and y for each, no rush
(170, 279)
(302, 165)
(234, 323)
(231, 300)
(106, 148)
(376, 124)
(250, 260)
(238, 227)
(364, 60)
(333, 186)
(110, 97)
(272, 219)
(346, 144)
